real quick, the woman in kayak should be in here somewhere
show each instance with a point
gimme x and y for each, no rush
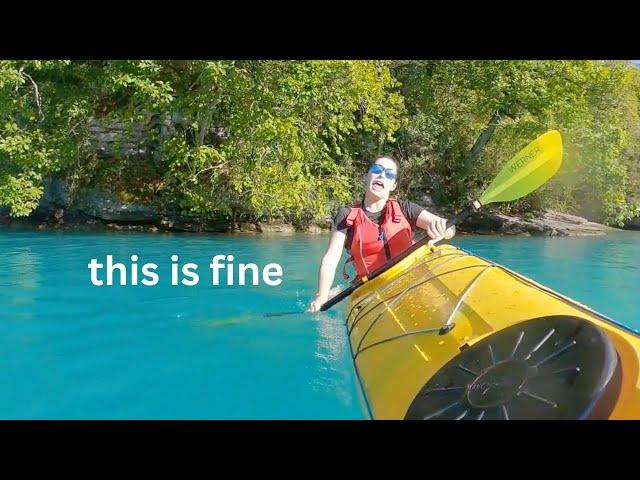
(375, 230)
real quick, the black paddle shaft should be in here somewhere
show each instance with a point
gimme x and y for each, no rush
(460, 217)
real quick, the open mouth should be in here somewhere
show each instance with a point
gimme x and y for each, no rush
(377, 185)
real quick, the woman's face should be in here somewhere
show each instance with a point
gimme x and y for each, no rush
(378, 184)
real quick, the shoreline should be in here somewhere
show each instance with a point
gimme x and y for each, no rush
(546, 223)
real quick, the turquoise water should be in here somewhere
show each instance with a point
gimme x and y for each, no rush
(72, 350)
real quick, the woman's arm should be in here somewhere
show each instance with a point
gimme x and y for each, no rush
(328, 267)
(435, 226)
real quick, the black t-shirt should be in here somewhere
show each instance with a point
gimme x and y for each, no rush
(410, 210)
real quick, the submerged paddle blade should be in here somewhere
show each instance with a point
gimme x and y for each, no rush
(529, 169)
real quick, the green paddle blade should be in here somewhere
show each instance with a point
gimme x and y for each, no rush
(529, 169)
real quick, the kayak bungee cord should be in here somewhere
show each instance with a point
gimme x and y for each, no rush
(400, 295)
(393, 282)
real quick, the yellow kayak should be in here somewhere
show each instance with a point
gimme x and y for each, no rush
(444, 334)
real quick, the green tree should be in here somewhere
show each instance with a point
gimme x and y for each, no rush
(276, 139)
(45, 108)
(468, 117)
(265, 140)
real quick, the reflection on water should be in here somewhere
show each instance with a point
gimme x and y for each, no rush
(332, 350)
(22, 270)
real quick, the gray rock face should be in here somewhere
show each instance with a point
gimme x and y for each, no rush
(105, 206)
(54, 201)
(186, 224)
(326, 223)
(276, 228)
(550, 223)
(119, 138)
(4, 215)
(313, 228)
(632, 224)
(245, 227)
(55, 194)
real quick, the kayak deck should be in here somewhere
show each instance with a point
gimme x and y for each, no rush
(418, 320)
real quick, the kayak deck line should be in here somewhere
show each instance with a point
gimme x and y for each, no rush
(399, 296)
(428, 330)
(573, 302)
(464, 295)
(416, 283)
(396, 280)
(387, 287)
(424, 355)
(398, 337)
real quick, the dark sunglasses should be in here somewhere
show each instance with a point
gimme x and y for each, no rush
(388, 172)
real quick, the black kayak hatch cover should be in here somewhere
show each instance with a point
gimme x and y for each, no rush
(554, 367)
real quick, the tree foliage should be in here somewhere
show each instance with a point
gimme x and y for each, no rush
(263, 140)
(594, 104)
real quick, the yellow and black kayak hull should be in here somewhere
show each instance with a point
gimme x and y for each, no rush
(444, 334)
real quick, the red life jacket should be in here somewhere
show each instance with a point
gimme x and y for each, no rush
(372, 244)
